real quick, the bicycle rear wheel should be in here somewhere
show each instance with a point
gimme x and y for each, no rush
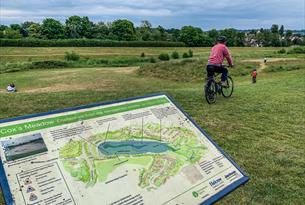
(228, 91)
(210, 92)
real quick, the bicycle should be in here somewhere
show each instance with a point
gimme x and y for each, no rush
(213, 87)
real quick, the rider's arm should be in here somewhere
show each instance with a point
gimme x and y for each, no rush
(227, 56)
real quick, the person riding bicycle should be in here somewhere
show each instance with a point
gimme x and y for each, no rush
(218, 53)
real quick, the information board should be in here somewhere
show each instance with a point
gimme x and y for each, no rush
(143, 150)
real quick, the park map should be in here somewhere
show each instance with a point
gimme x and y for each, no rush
(138, 151)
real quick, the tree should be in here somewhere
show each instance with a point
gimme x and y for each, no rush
(239, 39)
(11, 33)
(25, 28)
(52, 29)
(14, 32)
(79, 27)
(230, 34)
(15, 27)
(146, 24)
(281, 31)
(190, 35)
(174, 34)
(144, 31)
(213, 34)
(275, 40)
(34, 31)
(156, 35)
(274, 28)
(163, 34)
(2, 28)
(289, 33)
(123, 29)
(100, 30)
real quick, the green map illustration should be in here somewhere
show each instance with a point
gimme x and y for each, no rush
(160, 152)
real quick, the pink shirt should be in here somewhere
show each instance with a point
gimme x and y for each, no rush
(218, 53)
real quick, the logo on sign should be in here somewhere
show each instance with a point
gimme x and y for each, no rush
(215, 182)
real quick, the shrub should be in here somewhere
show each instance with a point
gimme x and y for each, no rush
(152, 60)
(175, 55)
(190, 53)
(71, 56)
(185, 55)
(143, 55)
(282, 51)
(297, 50)
(164, 57)
(49, 64)
(104, 61)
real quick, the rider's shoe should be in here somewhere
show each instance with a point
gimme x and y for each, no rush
(224, 84)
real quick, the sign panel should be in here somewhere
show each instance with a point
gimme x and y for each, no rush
(144, 150)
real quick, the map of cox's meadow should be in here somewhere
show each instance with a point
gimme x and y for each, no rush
(139, 151)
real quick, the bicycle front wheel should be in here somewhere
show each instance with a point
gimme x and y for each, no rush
(211, 92)
(228, 90)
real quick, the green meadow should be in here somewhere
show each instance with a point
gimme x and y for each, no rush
(261, 126)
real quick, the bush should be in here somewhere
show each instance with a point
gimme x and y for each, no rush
(175, 55)
(164, 57)
(190, 53)
(143, 55)
(297, 50)
(185, 55)
(49, 64)
(29, 42)
(71, 56)
(282, 51)
(152, 60)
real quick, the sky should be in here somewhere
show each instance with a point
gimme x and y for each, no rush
(206, 14)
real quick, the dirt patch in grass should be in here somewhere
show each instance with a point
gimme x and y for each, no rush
(61, 87)
(125, 70)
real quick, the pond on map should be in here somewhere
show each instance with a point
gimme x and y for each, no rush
(132, 147)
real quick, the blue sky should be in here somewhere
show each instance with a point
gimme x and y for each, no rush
(206, 14)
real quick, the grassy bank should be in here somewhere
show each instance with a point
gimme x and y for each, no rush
(190, 69)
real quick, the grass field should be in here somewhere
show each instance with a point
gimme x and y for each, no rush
(13, 54)
(261, 126)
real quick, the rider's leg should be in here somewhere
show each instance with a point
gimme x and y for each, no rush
(210, 73)
(224, 74)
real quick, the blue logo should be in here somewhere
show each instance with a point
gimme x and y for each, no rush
(215, 182)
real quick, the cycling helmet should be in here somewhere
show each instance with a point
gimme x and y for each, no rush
(221, 39)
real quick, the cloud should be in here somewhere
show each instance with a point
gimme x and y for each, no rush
(203, 13)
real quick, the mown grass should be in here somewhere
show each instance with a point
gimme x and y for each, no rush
(261, 126)
(22, 54)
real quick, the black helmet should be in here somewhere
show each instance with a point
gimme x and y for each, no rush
(221, 39)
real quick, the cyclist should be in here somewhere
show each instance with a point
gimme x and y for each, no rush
(218, 53)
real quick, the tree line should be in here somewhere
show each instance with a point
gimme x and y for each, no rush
(76, 27)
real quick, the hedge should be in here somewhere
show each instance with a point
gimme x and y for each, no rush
(85, 43)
